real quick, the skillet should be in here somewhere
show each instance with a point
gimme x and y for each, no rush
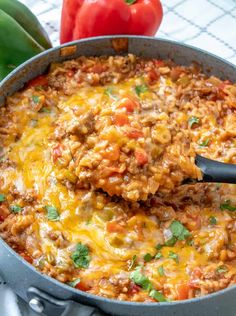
(49, 296)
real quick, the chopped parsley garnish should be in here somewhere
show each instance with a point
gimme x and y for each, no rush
(222, 269)
(158, 255)
(212, 220)
(148, 257)
(140, 279)
(158, 296)
(227, 206)
(2, 198)
(74, 282)
(140, 89)
(174, 256)
(52, 213)
(161, 271)
(179, 231)
(193, 120)
(132, 263)
(35, 99)
(171, 242)
(15, 208)
(159, 246)
(205, 142)
(109, 92)
(81, 256)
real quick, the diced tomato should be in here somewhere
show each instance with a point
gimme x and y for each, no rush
(128, 103)
(158, 62)
(70, 73)
(195, 223)
(134, 288)
(4, 212)
(183, 291)
(120, 119)
(98, 69)
(83, 286)
(195, 277)
(114, 227)
(134, 133)
(112, 153)
(38, 81)
(153, 75)
(27, 257)
(57, 152)
(141, 157)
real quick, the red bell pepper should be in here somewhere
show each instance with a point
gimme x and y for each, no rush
(87, 18)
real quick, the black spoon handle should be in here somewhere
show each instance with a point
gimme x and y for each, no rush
(215, 171)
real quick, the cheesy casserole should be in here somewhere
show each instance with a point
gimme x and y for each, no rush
(93, 157)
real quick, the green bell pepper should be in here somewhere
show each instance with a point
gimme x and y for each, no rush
(21, 36)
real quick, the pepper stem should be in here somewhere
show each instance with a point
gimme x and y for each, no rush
(129, 2)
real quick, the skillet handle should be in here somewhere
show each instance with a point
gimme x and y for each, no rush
(215, 171)
(45, 304)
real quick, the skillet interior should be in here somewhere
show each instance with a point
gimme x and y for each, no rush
(144, 47)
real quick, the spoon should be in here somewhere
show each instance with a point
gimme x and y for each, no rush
(215, 171)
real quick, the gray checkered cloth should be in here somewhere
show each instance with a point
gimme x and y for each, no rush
(207, 24)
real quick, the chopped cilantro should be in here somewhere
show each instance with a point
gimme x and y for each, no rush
(2, 198)
(52, 213)
(193, 120)
(222, 269)
(178, 230)
(109, 92)
(161, 271)
(227, 206)
(212, 220)
(141, 89)
(35, 99)
(148, 257)
(158, 296)
(140, 279)
(74, 282)
(132, 263)
(15, 208)
(171, 242)
(174, 256)
(81, 256)
(158, 255)
(159, 246)
(205, 142)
